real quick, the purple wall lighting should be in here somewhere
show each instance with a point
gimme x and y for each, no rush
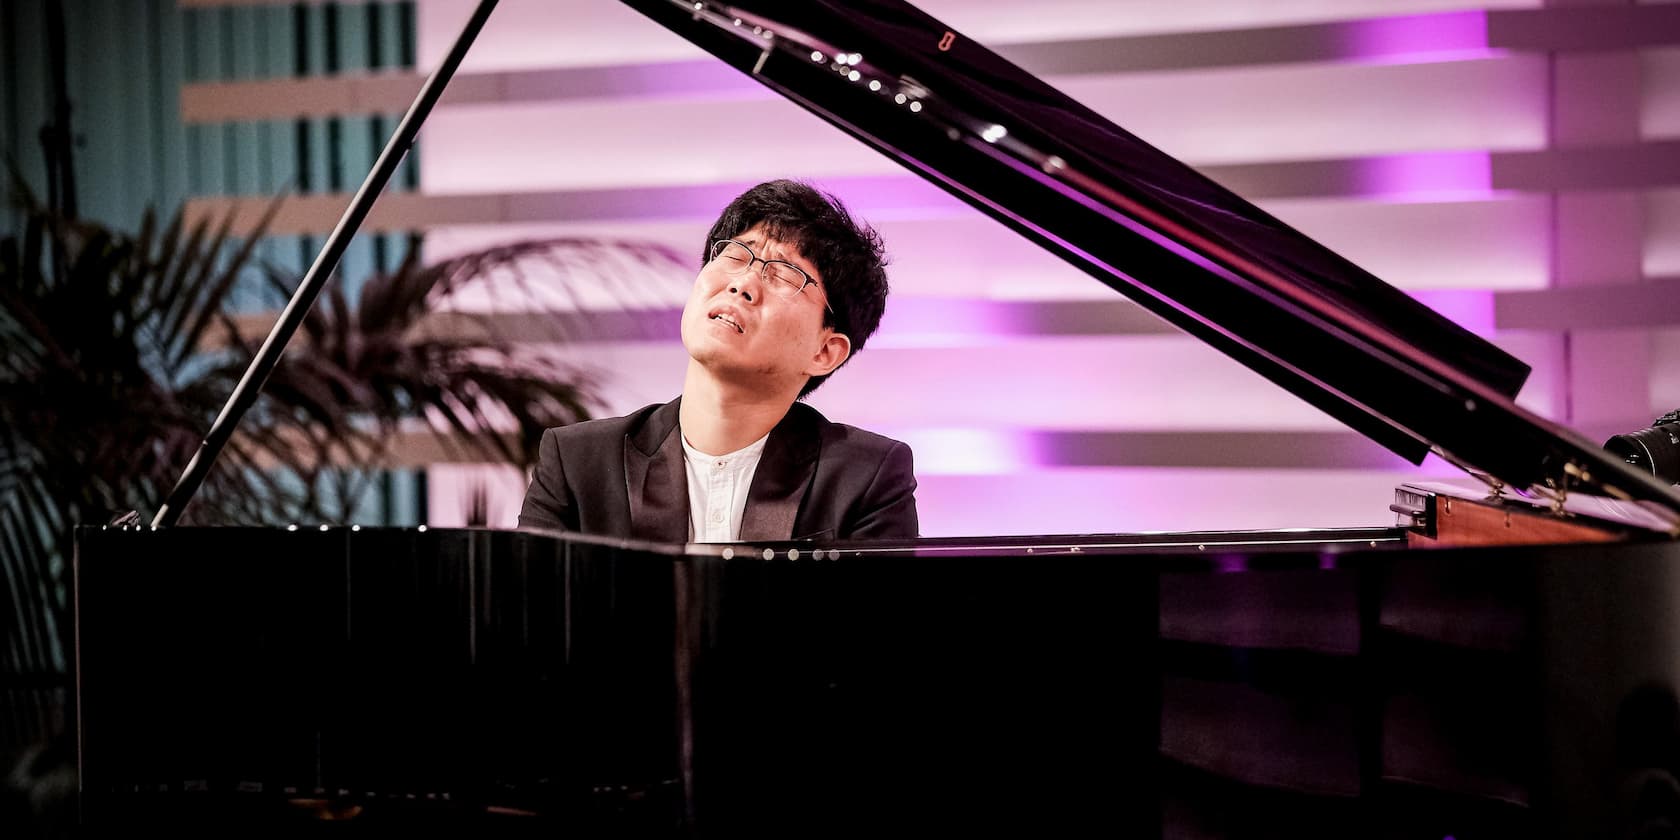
(1436, 37)
(1432, 176)
(1472, 309)
(1036, 399)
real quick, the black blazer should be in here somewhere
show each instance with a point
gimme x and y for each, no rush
(624, 477)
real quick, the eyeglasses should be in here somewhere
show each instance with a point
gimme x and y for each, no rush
(782, 277)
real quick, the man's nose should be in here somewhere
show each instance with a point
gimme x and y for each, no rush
(745, 285)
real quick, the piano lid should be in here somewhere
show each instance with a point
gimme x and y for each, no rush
(1185, 248)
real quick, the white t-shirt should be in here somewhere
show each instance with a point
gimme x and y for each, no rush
(717, 490)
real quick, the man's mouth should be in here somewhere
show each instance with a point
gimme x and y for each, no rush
(728, 320)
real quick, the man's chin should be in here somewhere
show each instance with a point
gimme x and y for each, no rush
(735, 370)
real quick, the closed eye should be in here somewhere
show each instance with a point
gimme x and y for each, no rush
(787, 274)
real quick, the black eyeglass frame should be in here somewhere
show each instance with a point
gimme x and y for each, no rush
(764, 272)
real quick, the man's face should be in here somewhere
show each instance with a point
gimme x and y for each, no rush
(740, 329)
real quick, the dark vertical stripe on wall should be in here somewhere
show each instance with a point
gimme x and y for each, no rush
(422, 496)
(405, 32)
(305, 184)
(388, 497)
(335, 154)
(376, 132)
(306, 258)
(329, 13)
(377, 140)
(300, 38)
(375, 51)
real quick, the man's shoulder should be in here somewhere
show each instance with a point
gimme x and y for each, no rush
(604, 428)
(846, 437)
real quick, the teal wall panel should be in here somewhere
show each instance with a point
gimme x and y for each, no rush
(169, 138)
(313, 46)
(128, 62)
(26, 107)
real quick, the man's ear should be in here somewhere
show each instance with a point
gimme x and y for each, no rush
(835, 349)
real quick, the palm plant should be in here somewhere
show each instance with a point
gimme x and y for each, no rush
(112, 366)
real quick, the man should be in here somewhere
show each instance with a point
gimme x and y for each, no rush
(790, 287)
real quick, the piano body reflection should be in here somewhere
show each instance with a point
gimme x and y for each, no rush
(1497, 663)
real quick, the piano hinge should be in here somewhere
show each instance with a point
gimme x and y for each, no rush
(1496, 488)
(1557, 495)
(1414, 511)
(1416, 516)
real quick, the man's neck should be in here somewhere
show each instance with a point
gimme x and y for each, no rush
(718, 418)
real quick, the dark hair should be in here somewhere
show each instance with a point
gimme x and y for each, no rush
(848, 255)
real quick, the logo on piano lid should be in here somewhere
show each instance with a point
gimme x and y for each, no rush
(945, 42)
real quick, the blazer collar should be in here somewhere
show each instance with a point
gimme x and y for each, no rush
(656, 480)
(783, 475)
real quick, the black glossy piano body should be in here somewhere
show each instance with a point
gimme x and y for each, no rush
(1303, 684)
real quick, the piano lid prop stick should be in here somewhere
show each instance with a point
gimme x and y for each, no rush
(256, 376)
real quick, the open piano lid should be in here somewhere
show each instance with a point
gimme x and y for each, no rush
(1190, 251)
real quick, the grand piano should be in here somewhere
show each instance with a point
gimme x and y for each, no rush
(1495, 657)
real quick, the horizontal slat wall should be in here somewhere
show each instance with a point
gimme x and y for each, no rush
(974, 409)
(129, 64)
(1660, 94)
(572, 33)
(1202, 117)
(1420, 147)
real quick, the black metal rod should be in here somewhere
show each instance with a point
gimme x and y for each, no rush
(58, 139)
(256, 376)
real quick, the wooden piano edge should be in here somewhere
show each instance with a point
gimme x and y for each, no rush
(1443, 514)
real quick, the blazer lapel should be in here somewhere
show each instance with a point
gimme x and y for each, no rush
(783, 475)
(655, 480)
